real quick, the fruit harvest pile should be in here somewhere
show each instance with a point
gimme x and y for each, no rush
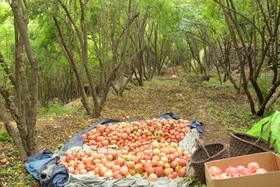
(147, 148)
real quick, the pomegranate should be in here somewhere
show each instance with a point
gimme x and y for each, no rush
(214, 170)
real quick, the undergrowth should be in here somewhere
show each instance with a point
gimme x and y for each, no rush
(5, 137)
(57, 108)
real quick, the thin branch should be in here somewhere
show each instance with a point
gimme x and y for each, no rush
(232, 10)
(7, 70)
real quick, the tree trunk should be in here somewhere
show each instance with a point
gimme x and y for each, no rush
(73, 64)
(13, 133)
(24, 112)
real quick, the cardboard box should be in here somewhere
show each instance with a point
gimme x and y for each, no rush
(268, 160)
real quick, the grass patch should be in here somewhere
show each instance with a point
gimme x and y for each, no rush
(57, 108)
(5, 137)
(159, 81)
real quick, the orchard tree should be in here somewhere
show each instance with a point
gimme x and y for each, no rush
(110, 33)
(75, 28)
(255, 38)
(20, 95)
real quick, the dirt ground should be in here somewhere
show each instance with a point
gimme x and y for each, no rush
(217, 106)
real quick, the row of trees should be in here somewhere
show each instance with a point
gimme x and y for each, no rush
(244, 34)
(69, 49)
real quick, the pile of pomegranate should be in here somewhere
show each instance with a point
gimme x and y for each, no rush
(147, 148)
(240, 170)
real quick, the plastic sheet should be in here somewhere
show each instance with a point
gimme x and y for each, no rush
(274, 128)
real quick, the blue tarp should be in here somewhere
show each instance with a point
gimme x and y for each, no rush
(34, 163)
(60, 175)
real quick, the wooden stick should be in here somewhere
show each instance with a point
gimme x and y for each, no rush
(263, 131)
(269, 138)
(272, 145)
